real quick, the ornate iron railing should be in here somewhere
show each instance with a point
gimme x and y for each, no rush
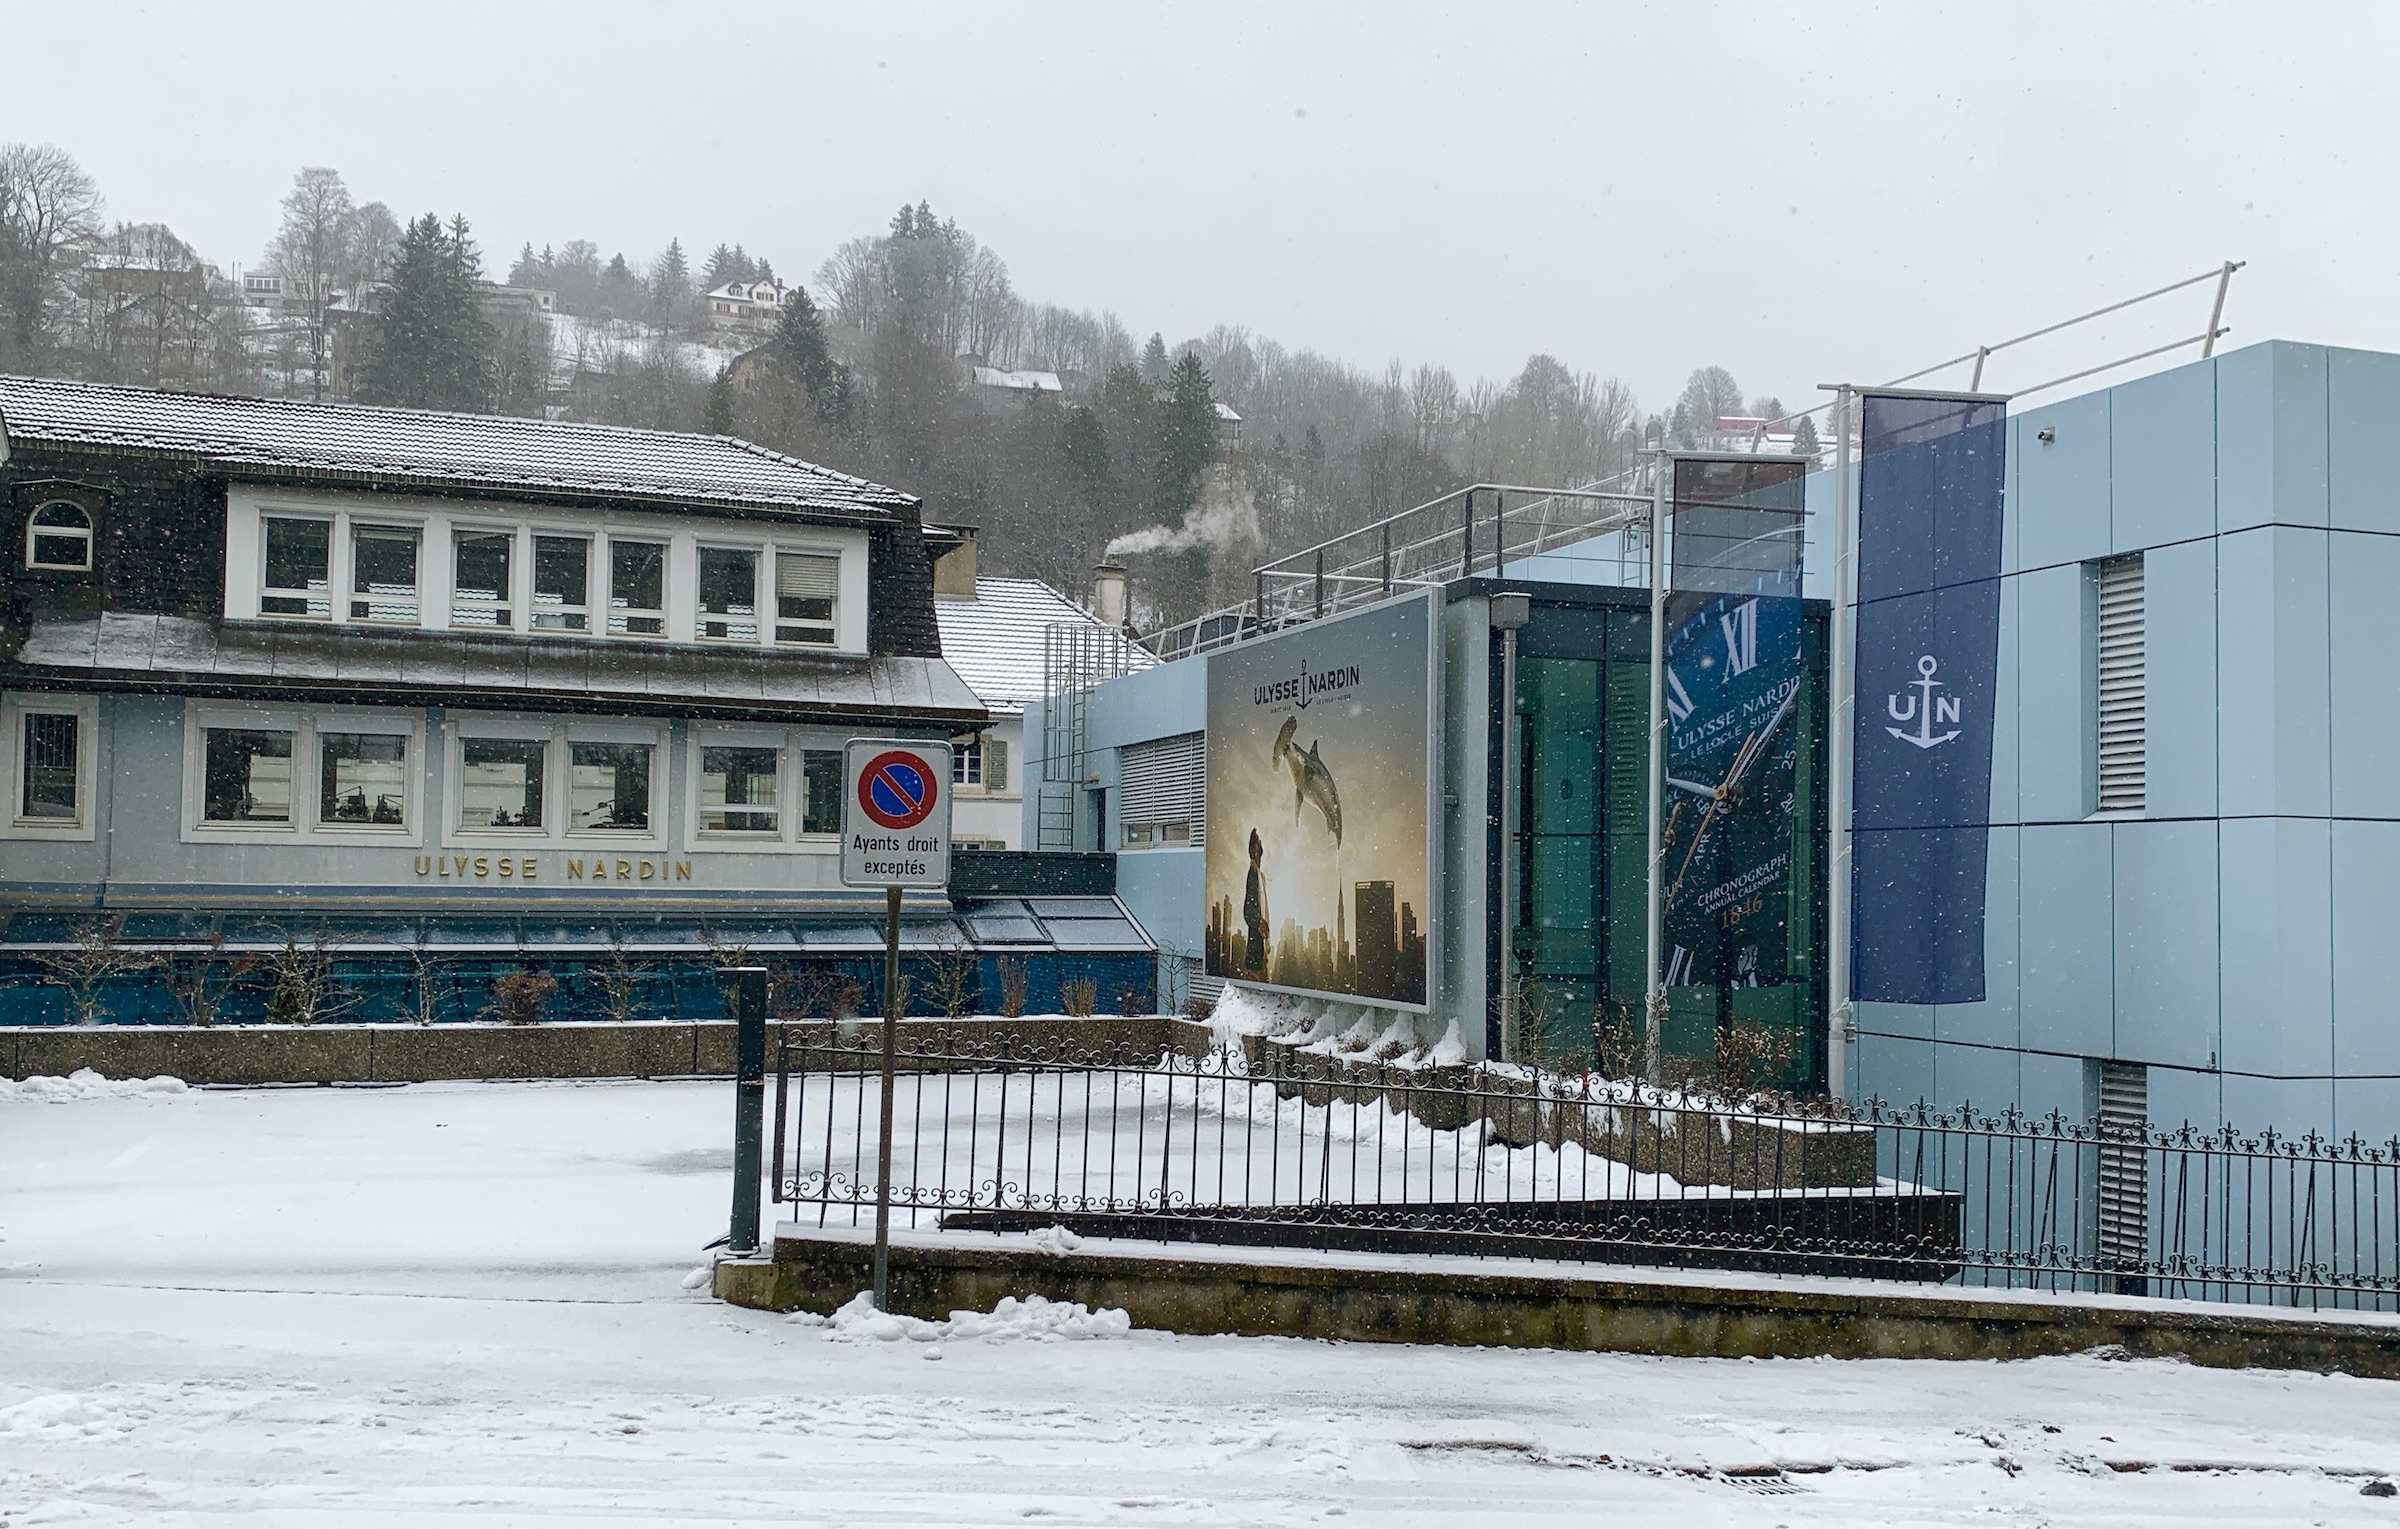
(1269, 1144)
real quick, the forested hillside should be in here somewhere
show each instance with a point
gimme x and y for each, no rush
(869, 365)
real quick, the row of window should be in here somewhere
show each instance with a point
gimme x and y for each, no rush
(344, 774)
(462, 573)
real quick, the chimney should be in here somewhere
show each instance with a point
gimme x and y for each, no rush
(1108, 594)
(954, 570)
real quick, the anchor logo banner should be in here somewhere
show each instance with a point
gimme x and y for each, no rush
(1929, 509)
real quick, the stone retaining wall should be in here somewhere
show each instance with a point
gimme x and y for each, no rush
(425, 1053)
(1399, 1302)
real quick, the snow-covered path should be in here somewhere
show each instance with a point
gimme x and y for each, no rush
(465, 1302)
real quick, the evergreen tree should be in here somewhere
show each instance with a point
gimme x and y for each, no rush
(1154, 361)
(1187, 437)
(670, 284)
(800, 346)
(717, 418)
(1804, 437)
(527, 272)
(430, 346)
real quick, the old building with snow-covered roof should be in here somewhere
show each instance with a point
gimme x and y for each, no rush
(526, 691)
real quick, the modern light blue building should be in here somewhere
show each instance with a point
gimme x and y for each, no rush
(2194, 886)
(2215, 907)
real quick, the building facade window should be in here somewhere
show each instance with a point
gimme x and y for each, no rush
(363, 779)
(296, 578)
(51, 780)
(48, 746)
(562, 583)
(728, 595)
(966, 764)
(383, 574)
(822, 772)
(59, 535)
(336, 775)
(246, 775)
(738, 789)
(808, 590)
(479, 589)
(647, 578)
(608, 787)
(500, 782)
(637, 588)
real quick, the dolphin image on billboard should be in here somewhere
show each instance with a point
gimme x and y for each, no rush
(1319, 774)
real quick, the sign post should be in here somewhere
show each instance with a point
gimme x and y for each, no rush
(895, 835)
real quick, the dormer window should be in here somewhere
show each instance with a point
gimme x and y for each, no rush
(59, 536)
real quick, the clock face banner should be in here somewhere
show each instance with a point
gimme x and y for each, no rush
(1735, 665)
(1929, 502)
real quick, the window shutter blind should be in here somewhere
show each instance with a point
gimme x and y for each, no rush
(805, 576)
(2124, 1199)
(995, 764)
(2123, 687)
(1165, 780)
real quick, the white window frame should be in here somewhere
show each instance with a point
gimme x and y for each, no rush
(455, 732)
(87, 533)
(651, 735)
(307, 826)
(438, 523)
(14, 708)
(791, 789)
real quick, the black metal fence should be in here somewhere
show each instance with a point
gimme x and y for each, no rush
(1268, 1146)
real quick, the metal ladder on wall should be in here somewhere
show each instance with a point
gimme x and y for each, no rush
(1076, 657)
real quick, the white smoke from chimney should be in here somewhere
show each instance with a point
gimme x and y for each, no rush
(1225, 520)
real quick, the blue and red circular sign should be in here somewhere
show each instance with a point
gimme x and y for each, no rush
(897, 790)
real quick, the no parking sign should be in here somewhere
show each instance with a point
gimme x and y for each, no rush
(896, 814)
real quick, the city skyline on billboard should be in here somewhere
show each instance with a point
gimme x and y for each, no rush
(1319, 777)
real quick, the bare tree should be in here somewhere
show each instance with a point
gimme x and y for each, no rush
(621, 980)
(307, 991)
(49, 216)
(94, 954)
(309, 252)
(198, 981)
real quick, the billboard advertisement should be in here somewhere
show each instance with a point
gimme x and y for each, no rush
(1735, 667)
(1320, 778)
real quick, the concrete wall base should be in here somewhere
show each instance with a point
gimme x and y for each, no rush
(1452, 1301)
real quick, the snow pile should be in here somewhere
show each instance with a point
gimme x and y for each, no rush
(87, 1084)
(1055, 1240)
(1034, 1319)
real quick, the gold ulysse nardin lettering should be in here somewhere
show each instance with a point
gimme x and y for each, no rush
(519, 869)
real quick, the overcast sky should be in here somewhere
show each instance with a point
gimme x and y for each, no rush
(1797, 192)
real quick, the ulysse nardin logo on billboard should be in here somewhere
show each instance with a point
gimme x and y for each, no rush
(1924, 708)
(1304, 687)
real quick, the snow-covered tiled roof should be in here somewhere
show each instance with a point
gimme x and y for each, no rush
(291, 439)
(994, 641)
(1018, 382)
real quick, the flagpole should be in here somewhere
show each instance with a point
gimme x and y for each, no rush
(1654, 993)
(1840, 1027)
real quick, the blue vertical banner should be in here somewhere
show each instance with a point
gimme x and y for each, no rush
(1931, 477)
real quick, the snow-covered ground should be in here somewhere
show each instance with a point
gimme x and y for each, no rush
(467, 1302)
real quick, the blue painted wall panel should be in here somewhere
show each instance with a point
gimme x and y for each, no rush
(1899, 1072)
(2245, 438)
(2277, 956)
(2366, 924)
(2362, 405)
(2162, 479)
(2302, 677)
(2166, 915)
(1163, 888)
(2065, 937)
(2180, 596)
(2054, 707)
(2061, 503)
(2300, 434)
(2363, 725)
(2006, 706)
